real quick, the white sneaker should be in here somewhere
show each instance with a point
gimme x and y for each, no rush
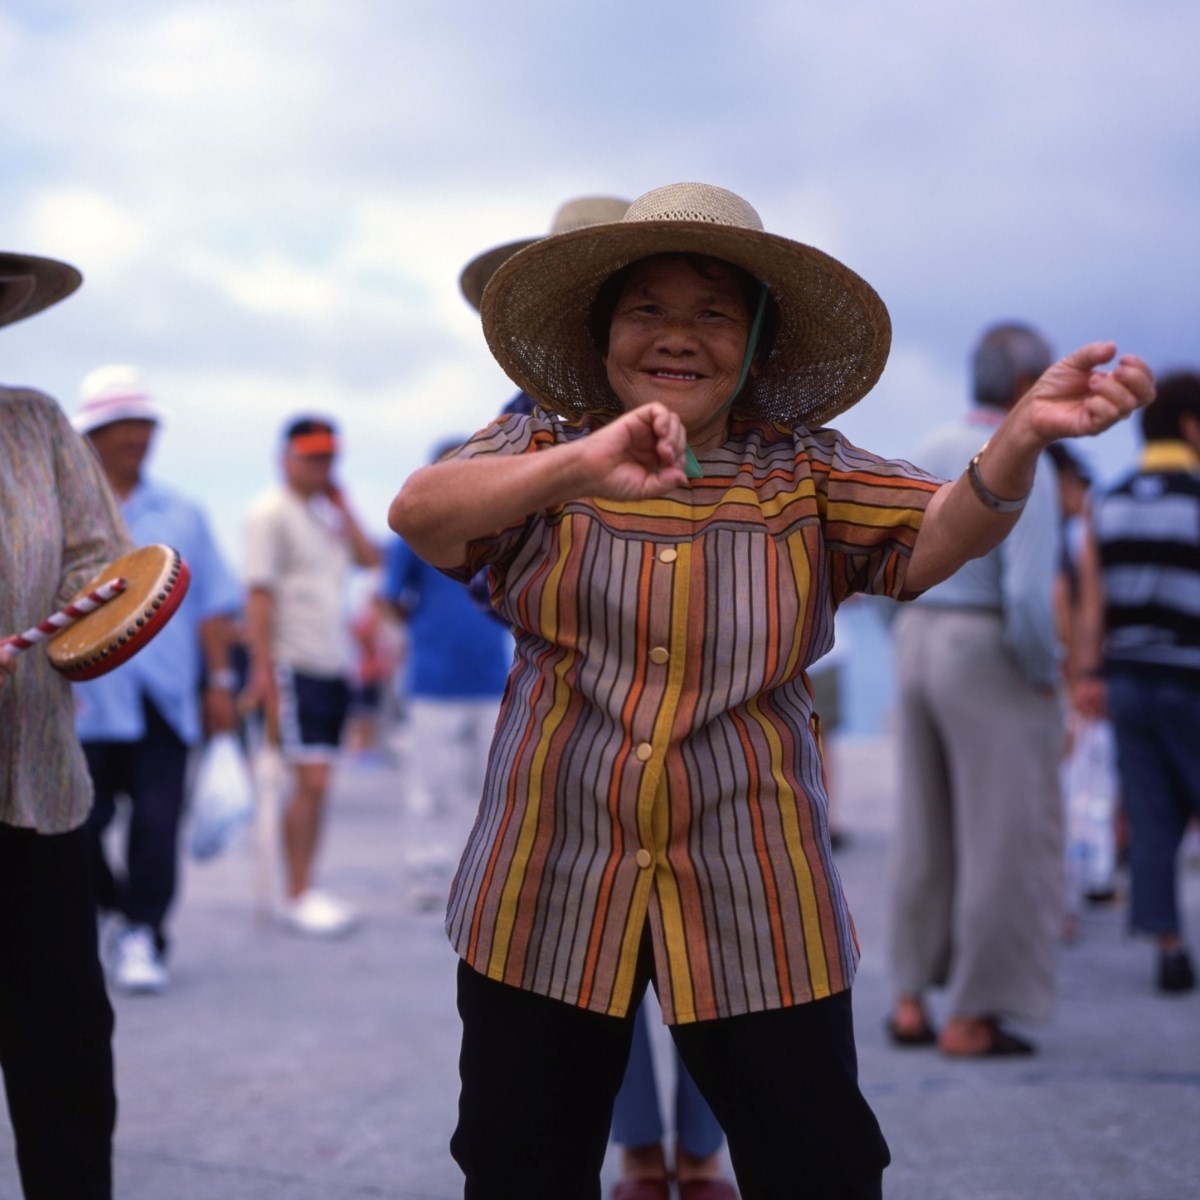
(318, 914)
(137, 964)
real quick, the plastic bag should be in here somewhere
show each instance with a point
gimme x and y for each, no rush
(222, 802)
(1091, 792)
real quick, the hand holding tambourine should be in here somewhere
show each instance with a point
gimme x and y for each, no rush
(112, 618)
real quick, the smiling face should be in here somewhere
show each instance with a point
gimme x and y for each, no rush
(678, 335)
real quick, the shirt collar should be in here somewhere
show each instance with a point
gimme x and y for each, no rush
(1169, 456)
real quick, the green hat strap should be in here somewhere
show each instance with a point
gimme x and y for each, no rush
(690, 464)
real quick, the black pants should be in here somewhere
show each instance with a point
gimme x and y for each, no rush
(151, 772)
(539, 1078)
(55, 1020)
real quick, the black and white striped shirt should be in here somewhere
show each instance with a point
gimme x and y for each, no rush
(1148, 532)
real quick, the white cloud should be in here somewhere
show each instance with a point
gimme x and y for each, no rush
(87, 227)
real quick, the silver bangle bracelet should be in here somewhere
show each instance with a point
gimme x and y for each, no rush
(987, 497)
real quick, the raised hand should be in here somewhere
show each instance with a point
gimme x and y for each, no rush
(1073, 398)
(638, 456)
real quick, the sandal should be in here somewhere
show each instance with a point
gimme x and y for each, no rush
(923, 1035)
(1000, 1044)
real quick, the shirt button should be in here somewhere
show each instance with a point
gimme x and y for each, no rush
(643, 858)
(668, 555)
(659, 655)
(644, 751)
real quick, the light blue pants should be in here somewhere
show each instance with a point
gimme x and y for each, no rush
(637, 1119)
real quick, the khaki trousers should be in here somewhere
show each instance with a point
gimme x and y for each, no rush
(978, 869)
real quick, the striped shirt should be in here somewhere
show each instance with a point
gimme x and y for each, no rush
(61, 526)
(655, 760)
(1148, 532)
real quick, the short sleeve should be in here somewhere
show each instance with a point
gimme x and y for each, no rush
(221, 593)
(398, 574)
(263, 547)
(872, 511)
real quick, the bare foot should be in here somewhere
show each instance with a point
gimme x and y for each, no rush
(966, 1035)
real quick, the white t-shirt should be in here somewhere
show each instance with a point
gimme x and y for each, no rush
(297, 549)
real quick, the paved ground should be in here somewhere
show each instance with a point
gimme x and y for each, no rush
(278, 1069)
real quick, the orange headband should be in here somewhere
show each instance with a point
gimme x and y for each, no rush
(312, 444)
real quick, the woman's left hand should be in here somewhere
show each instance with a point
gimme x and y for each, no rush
(1073, 398)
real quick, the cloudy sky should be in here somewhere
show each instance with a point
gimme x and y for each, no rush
(271, 202)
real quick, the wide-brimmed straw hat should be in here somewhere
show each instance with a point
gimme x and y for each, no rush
(29, 283)
(573, 214)
(831, 330)
(114, 393)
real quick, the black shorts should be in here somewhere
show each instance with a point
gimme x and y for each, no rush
(312, 712)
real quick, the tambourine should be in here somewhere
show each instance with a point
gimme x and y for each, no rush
(155, 582)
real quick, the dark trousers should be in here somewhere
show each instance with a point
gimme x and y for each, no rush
(539, 1078)
(151, 773)
(1155, 722)
(55, 1020)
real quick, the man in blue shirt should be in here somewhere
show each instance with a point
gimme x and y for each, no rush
(457, 662)
(977, 905)
(138, 723)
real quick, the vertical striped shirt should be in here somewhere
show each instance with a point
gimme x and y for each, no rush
(61, 526)
(1148, 533)
(655, 760)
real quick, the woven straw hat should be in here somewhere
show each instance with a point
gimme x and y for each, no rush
(573, 214)
(832, 331)
(29, 283)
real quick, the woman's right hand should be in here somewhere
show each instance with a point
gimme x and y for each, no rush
(639, 456)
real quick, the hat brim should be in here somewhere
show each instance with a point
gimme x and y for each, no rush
(54, 281)
(475, 275)
(89, 421)
(832, 331)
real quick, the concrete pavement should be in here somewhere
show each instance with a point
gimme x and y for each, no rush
(281, 1069)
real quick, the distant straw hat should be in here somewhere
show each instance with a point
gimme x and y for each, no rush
(29, 283)
(832, 331)
(574, 214)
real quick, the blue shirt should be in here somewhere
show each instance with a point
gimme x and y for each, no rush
(455, 650)
(1016, 579)
(167, 669)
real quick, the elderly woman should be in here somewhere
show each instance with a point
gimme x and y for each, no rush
(669, 535)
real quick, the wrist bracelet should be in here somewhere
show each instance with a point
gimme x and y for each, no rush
(224, 679)
(987, 497)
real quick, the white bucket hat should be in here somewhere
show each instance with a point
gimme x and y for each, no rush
(831, 337)
(114, 393)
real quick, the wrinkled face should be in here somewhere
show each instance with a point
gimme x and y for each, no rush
(122, 445)
(679, 337)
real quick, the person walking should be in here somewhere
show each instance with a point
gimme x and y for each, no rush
(61, 526)
(1142, 661)
(977, 901)
(302, 538)
(139, 723)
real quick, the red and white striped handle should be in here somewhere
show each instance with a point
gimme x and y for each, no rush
(66, 616)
